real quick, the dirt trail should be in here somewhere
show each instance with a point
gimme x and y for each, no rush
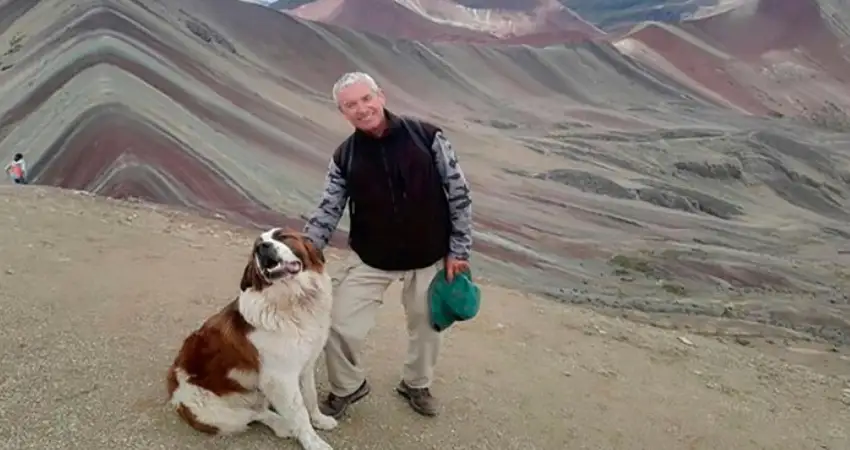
(97, 295)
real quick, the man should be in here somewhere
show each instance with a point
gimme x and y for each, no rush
(410, 215)
(17, 169)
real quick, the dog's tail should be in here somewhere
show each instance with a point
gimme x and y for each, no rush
(189, 417)
(175, 378)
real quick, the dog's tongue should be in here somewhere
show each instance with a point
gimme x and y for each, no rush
(292, 267)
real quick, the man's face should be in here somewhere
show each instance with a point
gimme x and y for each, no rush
(361, 106)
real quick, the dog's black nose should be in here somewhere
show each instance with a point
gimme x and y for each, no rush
(265, 249)
(266, 254)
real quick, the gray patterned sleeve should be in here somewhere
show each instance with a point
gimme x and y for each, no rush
(457, 192)
(324, 220)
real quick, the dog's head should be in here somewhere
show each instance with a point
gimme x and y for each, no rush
(280, 255)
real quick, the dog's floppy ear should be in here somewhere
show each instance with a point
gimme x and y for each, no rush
(317, 256)
(251, 277)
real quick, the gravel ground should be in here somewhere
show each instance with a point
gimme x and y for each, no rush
(97, 295)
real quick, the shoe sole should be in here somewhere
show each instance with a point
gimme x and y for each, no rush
(356, 398)
(419, 410)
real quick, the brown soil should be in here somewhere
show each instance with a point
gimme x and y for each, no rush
(97, 295)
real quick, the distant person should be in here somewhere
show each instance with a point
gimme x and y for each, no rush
(17, 169)
(411, 215)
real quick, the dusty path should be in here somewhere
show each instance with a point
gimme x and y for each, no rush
(96, 296)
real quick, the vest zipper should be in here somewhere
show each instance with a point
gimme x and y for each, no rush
(389, 178)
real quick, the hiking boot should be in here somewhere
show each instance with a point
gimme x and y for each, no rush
(420, 399)
(335, 406)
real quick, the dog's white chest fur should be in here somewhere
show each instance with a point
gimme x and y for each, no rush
(291, 324)
(290, 321)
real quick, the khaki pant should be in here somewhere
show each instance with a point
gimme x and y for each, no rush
(358, 293)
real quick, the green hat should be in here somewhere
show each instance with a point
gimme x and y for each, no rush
(452, 302)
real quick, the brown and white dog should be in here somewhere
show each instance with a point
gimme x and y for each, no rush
(261, 349)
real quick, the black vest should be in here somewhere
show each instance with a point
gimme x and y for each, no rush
(398, 209)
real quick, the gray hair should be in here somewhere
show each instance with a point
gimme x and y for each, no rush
(353, 78)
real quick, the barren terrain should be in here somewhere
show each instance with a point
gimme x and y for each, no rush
(97, 295)
(532, 22)
(670, 172)
(694, 176)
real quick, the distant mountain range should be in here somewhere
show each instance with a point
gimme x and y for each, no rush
(605, 14)
(685, 167)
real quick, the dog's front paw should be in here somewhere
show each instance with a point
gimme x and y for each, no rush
(316, 443)
(322, 446)
(323, 422)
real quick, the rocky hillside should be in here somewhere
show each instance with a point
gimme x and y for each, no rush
(679, 173)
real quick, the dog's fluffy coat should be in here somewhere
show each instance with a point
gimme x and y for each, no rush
(261, 349)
